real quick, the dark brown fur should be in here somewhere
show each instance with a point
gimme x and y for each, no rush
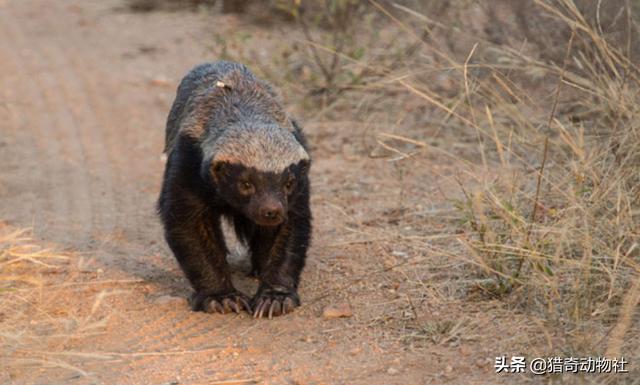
(234, 153)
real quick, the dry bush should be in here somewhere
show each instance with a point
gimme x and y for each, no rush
(338, 29)
(552, 218)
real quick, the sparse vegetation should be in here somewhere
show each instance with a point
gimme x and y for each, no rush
(544, 124)
(48, 298)
(551, 213)
(538, 103)
(481, 177)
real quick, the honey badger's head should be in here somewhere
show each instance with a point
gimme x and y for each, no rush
(259, 171)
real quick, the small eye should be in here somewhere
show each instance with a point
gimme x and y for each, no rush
(289, 184)
(246, 187)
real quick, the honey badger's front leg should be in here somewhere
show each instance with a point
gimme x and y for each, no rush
(192, 230)
(200, 250)
(198, 244)
(280, 254)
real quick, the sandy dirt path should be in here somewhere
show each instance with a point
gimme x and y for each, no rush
(85, 89)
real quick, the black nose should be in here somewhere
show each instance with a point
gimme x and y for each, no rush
(271, 211)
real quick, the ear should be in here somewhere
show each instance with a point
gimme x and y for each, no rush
(218, 169)
(304, 166)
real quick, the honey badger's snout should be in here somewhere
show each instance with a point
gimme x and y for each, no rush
(270, 211)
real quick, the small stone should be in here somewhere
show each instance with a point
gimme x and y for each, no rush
(355, 351)
(392, 371)
(170, 301)
(69, 324)
(398, 253)
(161, 81)
(389, 262)
(337, 311)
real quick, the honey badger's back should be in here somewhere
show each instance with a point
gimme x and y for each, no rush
(214, 96)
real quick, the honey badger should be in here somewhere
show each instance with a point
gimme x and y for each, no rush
(233, 153)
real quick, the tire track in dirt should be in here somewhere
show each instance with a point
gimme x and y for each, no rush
(16, 138)
(124, 211)
(150, 332)
(158, 333)
(121, 205)
(77, 128)
(89, 121)
(56, 136)
(55, 82)
(49, 84)
(37, 152)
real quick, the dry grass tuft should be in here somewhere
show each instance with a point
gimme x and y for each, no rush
(38, 314)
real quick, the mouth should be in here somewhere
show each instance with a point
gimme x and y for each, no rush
(268, 222)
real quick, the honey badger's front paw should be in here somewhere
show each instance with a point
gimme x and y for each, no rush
(273, 301)
(220, 303)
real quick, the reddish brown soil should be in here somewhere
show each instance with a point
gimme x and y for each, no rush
(85, 89)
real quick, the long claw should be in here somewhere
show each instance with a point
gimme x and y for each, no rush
(257, 309)
(232, 305)
(262, 308)
(265, 308)
(226, 305)
(245, 303)
(287, 305)
(274, 309)
(215, 307)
